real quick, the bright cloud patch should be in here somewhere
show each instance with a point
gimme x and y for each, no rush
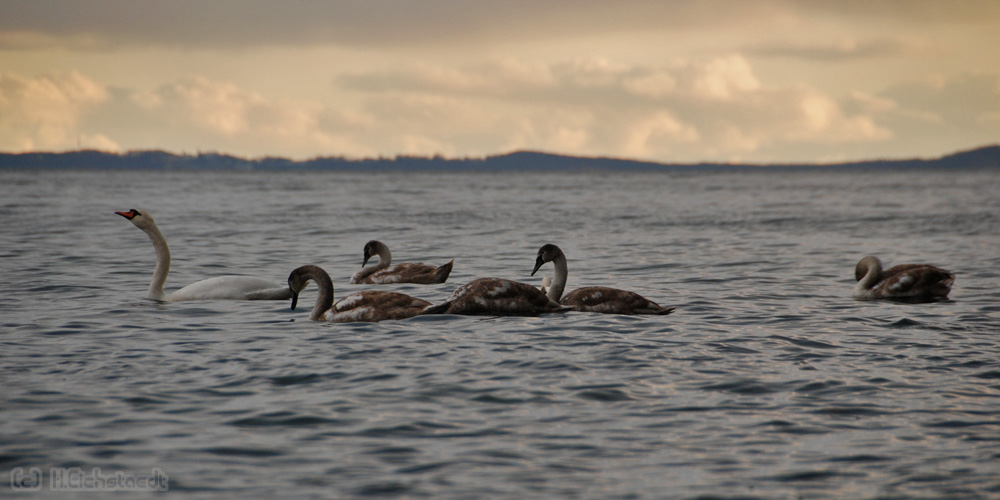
(247, 122)
(217, 107)
(725, 78)
(44, 112)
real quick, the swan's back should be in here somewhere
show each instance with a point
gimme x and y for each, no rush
(910, 281)
(602, 299)
(497, 297)
(371, 305)
(231, 288)
(411, 272)
(407, 272)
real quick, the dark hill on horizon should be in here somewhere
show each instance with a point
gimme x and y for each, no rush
(987, 157)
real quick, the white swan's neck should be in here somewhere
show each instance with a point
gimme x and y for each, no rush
(162, 263)
(559, 280)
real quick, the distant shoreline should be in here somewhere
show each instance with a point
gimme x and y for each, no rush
(986, 157)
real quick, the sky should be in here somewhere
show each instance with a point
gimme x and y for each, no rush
(765, 81)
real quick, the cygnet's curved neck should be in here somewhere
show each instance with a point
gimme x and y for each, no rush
(559, 280)
(872, 268)
(162, 263)
(324, 300)
(384, 259)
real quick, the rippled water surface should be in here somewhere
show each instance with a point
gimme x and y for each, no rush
(768, 381)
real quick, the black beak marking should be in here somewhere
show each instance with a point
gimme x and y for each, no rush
(538, 264)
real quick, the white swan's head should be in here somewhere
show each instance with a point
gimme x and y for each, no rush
(547, 253)
(372, 248)
(869, 264)
(142, 220)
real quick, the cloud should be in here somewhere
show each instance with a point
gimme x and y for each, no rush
(198, 112)
(248, 23)
(654, 84)
(964, 109)
(642, 138)
(44, 112)
(844, 50)
(239, 24)
(713, 109)
(17, 40)
(725, 78)
(497, 77)
(955, 99)
(685, 110)
(984, 12)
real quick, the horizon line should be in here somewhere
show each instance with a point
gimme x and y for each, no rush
(452, 159)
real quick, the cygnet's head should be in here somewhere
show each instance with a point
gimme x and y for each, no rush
(865, 265)
(300, 277)
(547, 253)
(372, 248)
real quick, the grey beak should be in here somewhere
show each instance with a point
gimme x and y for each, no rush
(538, 264)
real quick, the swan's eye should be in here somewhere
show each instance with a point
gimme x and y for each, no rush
(135, 213)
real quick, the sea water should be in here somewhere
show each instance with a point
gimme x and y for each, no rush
(768, 381)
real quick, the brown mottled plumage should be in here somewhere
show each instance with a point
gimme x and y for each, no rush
(906, 281)
(602, 299)
(364, 306)
(408, 272)
(497, 297)
(599, 299)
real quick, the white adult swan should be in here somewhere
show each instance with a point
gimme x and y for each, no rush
(407, 272)
(222, 287)
(367, 305)
(905, 281)
(599, 299)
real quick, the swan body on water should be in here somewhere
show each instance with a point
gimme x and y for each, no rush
(364, 306)
(497, 297)
(408, 272)
(599, 299)
(219, 288)
(905, 281)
